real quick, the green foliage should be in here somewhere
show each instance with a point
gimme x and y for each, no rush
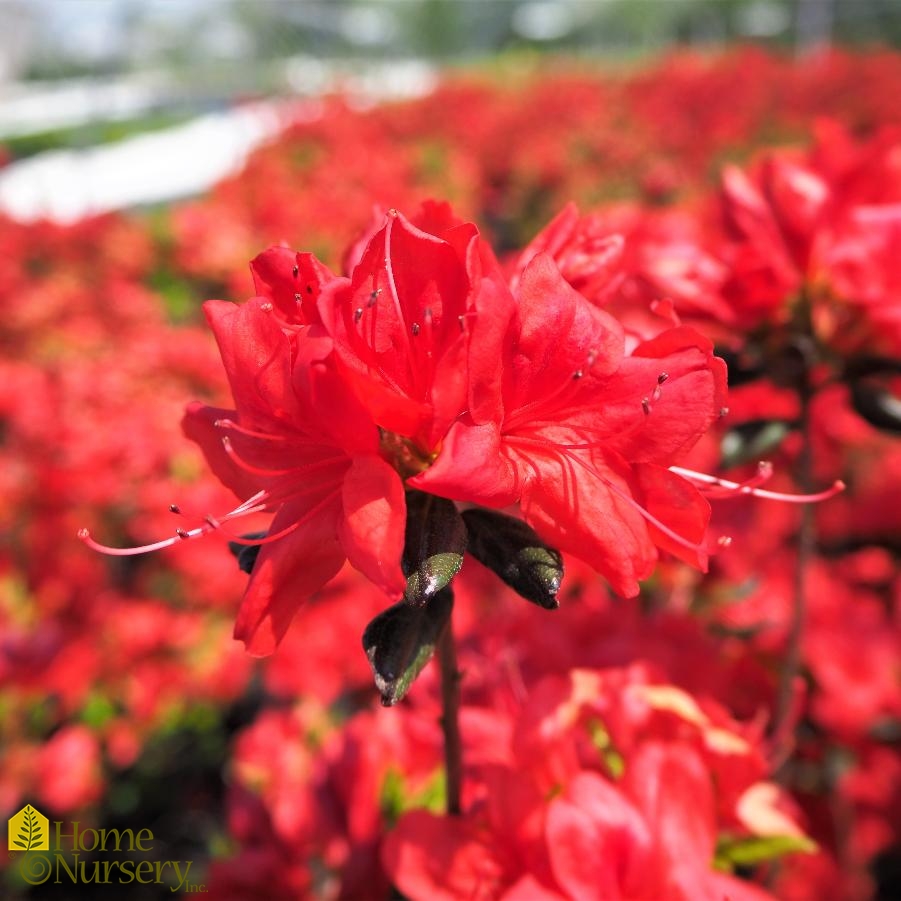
(396, 798)
(748, 851)
(90, 135)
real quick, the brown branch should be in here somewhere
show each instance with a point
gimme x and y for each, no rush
(450, 719)
(806, 548)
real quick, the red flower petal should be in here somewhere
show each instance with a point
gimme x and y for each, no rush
(289, 570)
(372, 527)
(198, 426)
(432, 858)
(590, 516)
(255, 353)
(599, 844)
(471, 466)
(292, 281)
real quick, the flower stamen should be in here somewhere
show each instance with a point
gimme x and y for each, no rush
(255, 504)
(728, 488)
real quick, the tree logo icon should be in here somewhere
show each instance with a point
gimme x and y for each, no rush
(29, 830)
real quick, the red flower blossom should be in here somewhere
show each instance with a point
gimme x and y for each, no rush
(398, 323)
(580, 435)
(652, 835)
(627, 260)
(297, 444)
(588, 256)
(292, 281)
(806, 231)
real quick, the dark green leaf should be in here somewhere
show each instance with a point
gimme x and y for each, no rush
(434, 543)
(20, 844)
(401, 640)
(752, 441)
(513, 550)
(876, 403)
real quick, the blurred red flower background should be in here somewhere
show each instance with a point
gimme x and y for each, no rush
(734, 731)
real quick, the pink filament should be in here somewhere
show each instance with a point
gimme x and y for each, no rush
(261, 471)
(728, 488)
(252, 433)
(85, 536)
(254, 504)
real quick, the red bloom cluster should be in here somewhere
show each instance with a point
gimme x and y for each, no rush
(423, 367)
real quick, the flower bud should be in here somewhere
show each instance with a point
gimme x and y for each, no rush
(246, 554)
(513, 550)
(400, 641)
(434, 543)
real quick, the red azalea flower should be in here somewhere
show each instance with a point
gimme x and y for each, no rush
(588, 257)
(399, 323)
(297, 444)
(580, 435)
(628, 259)
(773, 219)
(432, 370)
(814, 229)
(292, 281)
(650, 835)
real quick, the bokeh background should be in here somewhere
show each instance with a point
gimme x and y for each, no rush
(78, 74)
(148, 150)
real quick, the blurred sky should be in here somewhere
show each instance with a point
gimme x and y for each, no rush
(94, 26)
(120, 35)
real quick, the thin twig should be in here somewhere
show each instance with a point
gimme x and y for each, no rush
(806, 547)
(450, 718)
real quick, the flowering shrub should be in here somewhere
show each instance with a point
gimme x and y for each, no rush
(433, 411)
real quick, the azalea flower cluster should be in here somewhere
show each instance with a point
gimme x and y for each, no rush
(554, 377)
(423, 370)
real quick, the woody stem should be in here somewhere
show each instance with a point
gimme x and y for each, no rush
(791, 664)
(450, 718)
